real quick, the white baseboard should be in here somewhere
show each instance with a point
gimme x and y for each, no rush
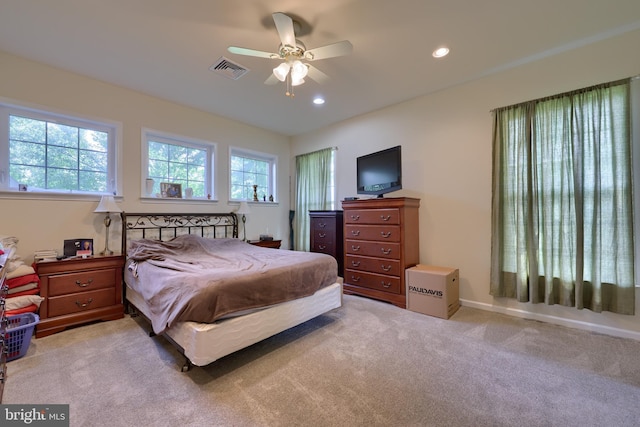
(586, 326)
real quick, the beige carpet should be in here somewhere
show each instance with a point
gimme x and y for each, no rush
(366, 364)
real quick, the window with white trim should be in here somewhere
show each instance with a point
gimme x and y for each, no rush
(41, 151)
(171, 159)
(251, 168)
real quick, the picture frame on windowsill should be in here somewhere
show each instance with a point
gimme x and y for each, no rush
(171, 190)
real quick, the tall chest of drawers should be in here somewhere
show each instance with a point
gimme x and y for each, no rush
(78, 291)
(381, 240)
(326, 235)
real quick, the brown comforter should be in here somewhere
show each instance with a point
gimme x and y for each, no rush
(202, 280)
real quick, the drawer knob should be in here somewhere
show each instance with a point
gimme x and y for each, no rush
(322, 225)
(355, 217)
(84, 304)
(355, 232)
(322, 247)
(386, 251)
(385, 268)
(355, 263)
(386, 284)
(385, 235)
(322, 235)
(355, 248)
(385, 217)
(355, 279)
(84, 285)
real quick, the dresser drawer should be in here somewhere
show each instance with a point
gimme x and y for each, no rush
(372, 281)
(388, 250)
(325, 247)
(323, 235)
(379, 233)
(374, 265)
(70, 283)
(372, 216)
(328, 225)
(82, 301)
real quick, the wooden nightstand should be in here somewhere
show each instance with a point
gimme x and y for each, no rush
(275, 244)
(79, 290)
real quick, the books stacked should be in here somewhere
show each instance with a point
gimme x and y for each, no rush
(45, 255)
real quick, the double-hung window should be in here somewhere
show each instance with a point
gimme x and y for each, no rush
(44, 152)
(252, 173)
(169, 159)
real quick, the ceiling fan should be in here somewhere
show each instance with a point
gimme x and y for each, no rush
(293, 52)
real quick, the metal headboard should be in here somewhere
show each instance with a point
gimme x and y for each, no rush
(166, 226)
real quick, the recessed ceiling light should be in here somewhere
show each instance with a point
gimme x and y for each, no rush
(318, 100)
(440, 52)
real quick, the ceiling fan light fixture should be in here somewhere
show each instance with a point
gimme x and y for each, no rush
(281, 71)
(298, 70)
(296, 82)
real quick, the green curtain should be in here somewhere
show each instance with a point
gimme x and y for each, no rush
(562, 218)
(313, 179)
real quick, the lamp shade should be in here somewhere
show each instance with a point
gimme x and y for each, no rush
(107, 204)
(243, 209)
(281, 71)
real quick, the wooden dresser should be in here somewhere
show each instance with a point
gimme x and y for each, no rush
(78, 291)
(381, 240)
(326, 235)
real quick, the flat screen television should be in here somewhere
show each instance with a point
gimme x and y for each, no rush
(380, 172)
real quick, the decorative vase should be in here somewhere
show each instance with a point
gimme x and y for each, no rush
(149, 186)
(255, 193)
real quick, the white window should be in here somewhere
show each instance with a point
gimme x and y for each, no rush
(42, 152)
(170, 159)
(249, 169)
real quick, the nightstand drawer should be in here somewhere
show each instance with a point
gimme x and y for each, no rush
(70, 283)
(81, 301)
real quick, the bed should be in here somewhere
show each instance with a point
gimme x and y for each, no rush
(165, 253)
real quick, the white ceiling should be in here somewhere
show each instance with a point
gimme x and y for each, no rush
(165, 47)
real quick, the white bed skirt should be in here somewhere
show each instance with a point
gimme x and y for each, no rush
(203, 343)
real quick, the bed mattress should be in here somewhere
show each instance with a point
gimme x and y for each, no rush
(203, 343)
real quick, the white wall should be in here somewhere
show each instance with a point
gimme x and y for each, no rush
(446, 143)
(44, 224)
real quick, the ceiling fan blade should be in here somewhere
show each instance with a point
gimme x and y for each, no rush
(271, 80)
(329, 51)
(251, 52)
(316, 75)
(284, 25)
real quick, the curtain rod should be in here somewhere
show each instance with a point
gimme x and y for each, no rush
(636, 77)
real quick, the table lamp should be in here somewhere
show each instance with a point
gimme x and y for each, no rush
(108, 205)
(244, 210)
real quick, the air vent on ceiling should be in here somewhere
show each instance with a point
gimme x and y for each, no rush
(228, 68)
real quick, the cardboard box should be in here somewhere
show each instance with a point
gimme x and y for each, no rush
(433, 290)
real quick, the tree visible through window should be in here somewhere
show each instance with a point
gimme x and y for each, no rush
(50, 155)
(176, 160)
(248, 169)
